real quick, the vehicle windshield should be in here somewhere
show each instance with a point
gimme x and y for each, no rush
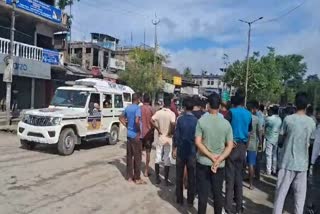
(70, 98)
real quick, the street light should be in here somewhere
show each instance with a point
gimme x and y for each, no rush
(248, 52)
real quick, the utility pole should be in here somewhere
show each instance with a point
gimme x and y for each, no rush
(144, 39)
(70, 54)
(315, 106)
(248, 55)
(155, 22)
(7, 77)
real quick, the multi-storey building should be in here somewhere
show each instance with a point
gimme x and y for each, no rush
(34, 54)
(97, 54)
(209, 83)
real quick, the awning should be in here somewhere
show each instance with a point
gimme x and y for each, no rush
(77, 70)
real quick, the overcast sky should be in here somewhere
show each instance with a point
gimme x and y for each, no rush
(197, 33)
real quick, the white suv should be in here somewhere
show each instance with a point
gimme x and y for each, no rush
(87, 111)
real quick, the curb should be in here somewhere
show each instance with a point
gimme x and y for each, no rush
(9, 129)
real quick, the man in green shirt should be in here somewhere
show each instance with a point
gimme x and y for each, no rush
(214, 140)
(273, 125)
(295, 137)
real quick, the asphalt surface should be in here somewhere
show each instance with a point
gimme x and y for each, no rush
(92, 181)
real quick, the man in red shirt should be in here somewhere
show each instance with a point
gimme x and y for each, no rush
(147, 133)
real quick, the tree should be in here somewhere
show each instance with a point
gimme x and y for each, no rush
(270, 76)
(187, 73)
(63, 3)
(140, 73)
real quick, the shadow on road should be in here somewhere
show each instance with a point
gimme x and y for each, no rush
(52, 149)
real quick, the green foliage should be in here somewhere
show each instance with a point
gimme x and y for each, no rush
(187, 73)
(140, 73)
(270, 76)
(63, 3)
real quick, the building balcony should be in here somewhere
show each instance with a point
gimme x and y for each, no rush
(30, 52)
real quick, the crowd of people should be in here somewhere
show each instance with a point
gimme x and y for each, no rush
(213, 142)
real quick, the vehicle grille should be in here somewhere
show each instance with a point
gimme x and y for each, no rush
(38, 121)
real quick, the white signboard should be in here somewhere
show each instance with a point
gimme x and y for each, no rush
(27, 67)
(117, 64)
(190, 91)
(168, 88)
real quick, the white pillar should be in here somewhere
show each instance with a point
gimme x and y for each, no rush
(33, 85)
(101, 59)
(91, 57)
(83, 60)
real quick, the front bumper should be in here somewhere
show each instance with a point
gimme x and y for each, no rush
(39, 134)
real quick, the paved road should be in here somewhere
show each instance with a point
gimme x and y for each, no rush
(89, 181)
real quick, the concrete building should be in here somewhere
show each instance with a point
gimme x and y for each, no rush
(98, 53)
(34, 54)
(209, 83)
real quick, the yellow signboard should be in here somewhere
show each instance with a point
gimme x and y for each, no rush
(177, 80)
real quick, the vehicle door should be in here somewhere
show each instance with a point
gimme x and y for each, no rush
(118, 105)
(107, 111)
(127, 99)
(94, 114)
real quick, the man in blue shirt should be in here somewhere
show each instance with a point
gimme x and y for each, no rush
(131, 119)
(241, 122)
(184, 151)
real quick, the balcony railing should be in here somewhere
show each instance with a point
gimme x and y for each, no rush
(21, 50)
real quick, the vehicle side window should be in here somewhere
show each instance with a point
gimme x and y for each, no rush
(118, 102)
(94, 104)
(127, 97)
(107, 101)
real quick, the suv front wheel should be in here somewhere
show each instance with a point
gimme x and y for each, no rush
(67, 141)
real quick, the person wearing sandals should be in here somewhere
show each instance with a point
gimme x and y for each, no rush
(131, 118)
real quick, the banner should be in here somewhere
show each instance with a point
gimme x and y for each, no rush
(50, 57)
(168, 88)
(39, 8)
(117, 64)
(27, 67)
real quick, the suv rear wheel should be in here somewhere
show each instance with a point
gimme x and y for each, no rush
(114, 135)
(67, 141)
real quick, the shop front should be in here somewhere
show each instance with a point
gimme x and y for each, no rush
(30, 78)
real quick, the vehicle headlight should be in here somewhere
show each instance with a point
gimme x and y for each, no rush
(54, 121)
(26, 118)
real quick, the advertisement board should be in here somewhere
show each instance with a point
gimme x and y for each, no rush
(117, 64)
(39, 8)
(27, 67)
(50, 57)
(177, 80)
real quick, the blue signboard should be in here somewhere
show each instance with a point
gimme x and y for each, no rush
(39, 8)
(50, 57)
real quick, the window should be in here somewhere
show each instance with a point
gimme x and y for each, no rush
(212, 82)
(127, 97)
(118, 103)
(200, 82)
(107, 101)
(70, 98)
(208, 82)
(94, 104)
